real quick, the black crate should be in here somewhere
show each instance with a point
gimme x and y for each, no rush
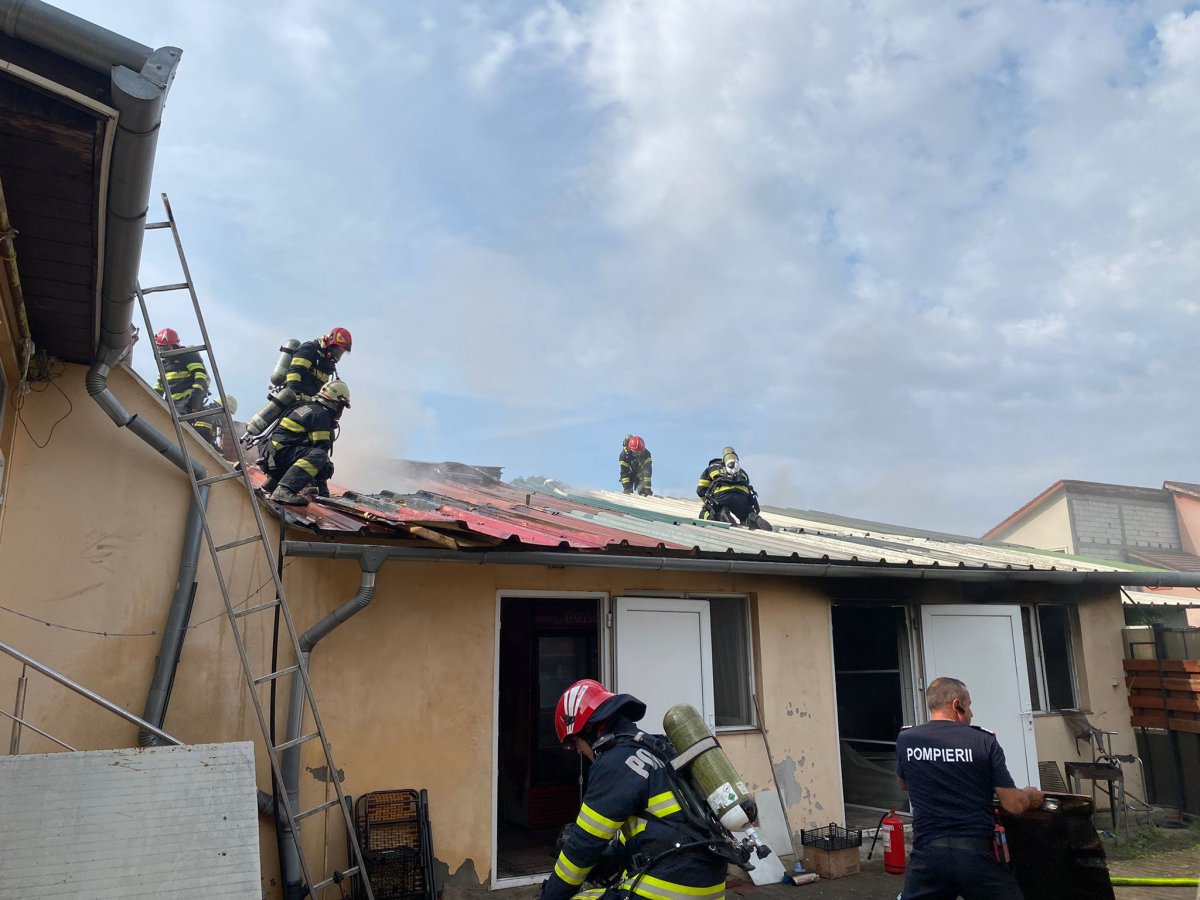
(397, 846)
(397, 874)
(831, 837)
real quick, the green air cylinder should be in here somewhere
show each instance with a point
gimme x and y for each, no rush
(279, 373)
(279, 403)
(711, 771)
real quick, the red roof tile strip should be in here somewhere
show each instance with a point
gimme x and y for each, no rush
(493, 511)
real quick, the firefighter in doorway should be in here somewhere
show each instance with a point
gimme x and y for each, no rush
(637, 466)
(297, 460)
(315, 362)
(630, 796)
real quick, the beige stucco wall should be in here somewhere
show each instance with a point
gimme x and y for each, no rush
(1048, 528)
(95, 521)
(415, 672)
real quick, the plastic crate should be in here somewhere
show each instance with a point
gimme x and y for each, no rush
(831, 837)
(832, 851)
(397, 845)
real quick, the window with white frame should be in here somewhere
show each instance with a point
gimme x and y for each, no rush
(1049, 656)
(663, 658)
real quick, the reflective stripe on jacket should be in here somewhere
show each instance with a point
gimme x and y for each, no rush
(636, 466)
(310, 369)
(185, 374)
(306, 424)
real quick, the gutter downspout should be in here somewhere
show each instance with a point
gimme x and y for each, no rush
(289, 856)
(141, 79)
(742, 566)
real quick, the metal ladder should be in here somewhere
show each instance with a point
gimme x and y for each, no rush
(217, 549)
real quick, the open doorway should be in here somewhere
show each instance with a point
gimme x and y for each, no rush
(872, 663)
(545, 645)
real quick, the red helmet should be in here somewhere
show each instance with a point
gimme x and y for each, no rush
(576, 705)
(636, 444)
(168, 337)
(338, 337)
(583, 701)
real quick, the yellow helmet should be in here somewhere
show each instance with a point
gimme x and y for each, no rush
(335, 392)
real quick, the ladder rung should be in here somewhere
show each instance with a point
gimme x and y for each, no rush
(224, 476)
(336, 879)
(312, 811)
(200, 414)
(273, 675)
(242, 613)
(168, 354)
(161, 288)
(150, 226)
(294, 742)
(240, 542)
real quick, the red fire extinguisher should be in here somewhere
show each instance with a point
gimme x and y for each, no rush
(892, 826)
(893, 850)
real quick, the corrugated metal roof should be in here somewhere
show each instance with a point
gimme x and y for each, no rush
(482, 513)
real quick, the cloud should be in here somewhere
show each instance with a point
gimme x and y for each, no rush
(922, 259)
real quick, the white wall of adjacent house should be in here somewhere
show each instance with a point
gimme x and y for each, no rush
(175, 822)
(1048, 528)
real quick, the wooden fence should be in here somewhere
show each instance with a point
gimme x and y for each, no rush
(1164, 693)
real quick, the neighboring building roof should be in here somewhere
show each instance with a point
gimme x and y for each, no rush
(1070, 486)
(1174, 560)
(1182, 487)
(1154, 598)
(462, 509)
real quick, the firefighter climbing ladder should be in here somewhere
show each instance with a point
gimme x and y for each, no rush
(219, 549)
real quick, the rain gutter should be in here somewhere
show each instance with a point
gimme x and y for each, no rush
(743, 566)
(141, 78)
(289, 855)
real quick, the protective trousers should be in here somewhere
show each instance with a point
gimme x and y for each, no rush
(296, 466)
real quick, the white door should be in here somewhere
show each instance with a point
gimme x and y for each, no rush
(984, 647)
(664, 656)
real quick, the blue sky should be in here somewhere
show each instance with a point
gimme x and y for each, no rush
(915, 261)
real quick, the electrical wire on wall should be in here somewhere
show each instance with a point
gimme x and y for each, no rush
(211, 618)
(47, 371)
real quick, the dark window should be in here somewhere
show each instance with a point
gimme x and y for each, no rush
(729, 622)
(1048, 657)
(1055, 626)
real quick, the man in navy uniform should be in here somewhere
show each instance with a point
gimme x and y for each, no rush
(951, 769)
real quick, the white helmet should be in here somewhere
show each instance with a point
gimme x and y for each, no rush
(335, 393)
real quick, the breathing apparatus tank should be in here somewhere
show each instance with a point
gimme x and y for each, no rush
(278, 404)
(279, 373)
(710, 768)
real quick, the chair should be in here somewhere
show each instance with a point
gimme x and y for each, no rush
(1105, 765)
(1109, 772)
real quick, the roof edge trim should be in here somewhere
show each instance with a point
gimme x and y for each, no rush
(740, 566)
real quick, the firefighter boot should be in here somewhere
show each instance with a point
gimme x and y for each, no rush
(283, 494)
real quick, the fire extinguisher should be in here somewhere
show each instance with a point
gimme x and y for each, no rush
(893, 844)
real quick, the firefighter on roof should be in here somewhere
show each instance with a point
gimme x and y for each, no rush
(297, 460)
(187, 382)
(725, 487)
(630, 796)
(314, 363)
(637, 466)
